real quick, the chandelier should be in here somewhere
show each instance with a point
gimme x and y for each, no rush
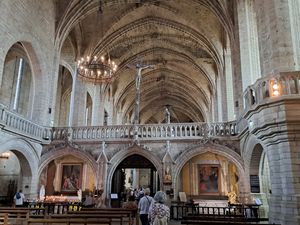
(97, 70)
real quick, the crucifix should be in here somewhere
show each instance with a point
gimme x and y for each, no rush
(138, 78)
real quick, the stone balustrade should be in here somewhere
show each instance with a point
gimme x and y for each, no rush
(146, 132)
(272, 88)
(15, 123)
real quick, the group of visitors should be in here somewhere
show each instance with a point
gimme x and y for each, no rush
(153, 210)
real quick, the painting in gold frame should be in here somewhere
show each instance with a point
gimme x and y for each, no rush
(71, 177)
(209, 179)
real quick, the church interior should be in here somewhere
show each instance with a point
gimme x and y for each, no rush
(197, 98)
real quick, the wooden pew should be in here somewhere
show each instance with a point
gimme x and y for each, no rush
(16, 216)
(225, 223)
(69, 221)
(86, 217)
(12, 215)
(122, 215)
(214, 219)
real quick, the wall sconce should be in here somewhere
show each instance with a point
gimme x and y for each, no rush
(275, 88)
(4, 155)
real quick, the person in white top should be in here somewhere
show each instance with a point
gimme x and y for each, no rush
(144, 205)
(19, 198)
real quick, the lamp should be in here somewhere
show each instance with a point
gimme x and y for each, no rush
(275, 88)
(4, 155)
(97, 69)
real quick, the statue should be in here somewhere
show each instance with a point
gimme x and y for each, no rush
(232, 196)
(168, 115)
(42, 193)
(79, 194)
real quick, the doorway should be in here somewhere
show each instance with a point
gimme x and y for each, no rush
(134, 173)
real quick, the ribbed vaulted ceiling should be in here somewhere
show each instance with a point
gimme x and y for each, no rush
(184, 39)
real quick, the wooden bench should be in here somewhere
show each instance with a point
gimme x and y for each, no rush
(225, 223)
(70, 221)
(121, 215)
(12, 215)
(209, 219)
(86, 217)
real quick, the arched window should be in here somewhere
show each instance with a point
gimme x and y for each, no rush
(16, 85)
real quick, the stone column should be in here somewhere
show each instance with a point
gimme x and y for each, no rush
(294, 7)
(275, 36)
(98, 106)
(277, 125)
(229, 84)
(72, 100)
(284, 161)
(79, 104)
(250, 63)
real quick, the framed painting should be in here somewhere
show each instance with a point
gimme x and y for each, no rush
(209, 182)
(71, 177)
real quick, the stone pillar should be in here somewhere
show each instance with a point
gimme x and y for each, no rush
(275, 37)
(229, 84)
(250, 63)
(285, 182)
(294, 7)
(276, 124)
(72, 100)
(79, 104)
(98, 106)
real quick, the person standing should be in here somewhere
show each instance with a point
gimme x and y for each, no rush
(19, 199)
(144, 205)
(89, 201)
(159, 213)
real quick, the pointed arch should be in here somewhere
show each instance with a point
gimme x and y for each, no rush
(28, 156)
(121, 155)
(224, 151)
(51, 155)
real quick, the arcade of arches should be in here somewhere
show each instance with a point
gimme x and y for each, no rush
(217, 114)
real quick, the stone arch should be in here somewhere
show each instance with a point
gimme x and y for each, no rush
(26, 51)
(68, 66)
(248, 148)
(48, 157)
(121, 155)
(28, 157)
(257, 164)
(255, 159)
(37, 78)
(212, 148)
(51, 155)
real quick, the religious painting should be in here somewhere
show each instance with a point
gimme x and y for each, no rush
(208, 179)
(71, 177)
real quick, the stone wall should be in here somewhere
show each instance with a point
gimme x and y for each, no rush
(31, 23)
